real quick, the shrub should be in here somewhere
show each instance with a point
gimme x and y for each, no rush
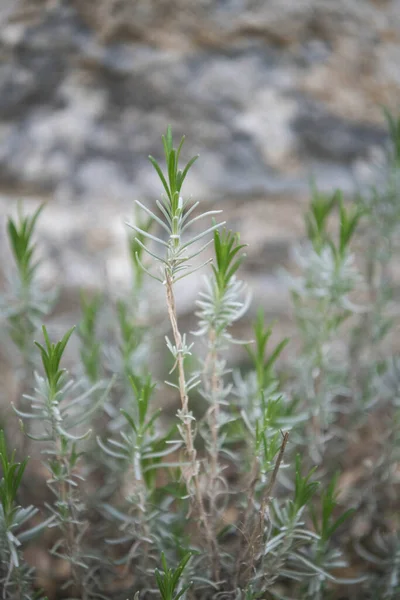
(240, 491)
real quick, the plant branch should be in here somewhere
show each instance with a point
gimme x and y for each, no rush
(193, 473)
(251, 552)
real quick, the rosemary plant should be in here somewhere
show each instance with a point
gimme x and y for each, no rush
(380, 246)
(25, 304)
(322, 304)
(221, 304)
(141, 448)
(221, 492)
(16, 578)
(174, 265)
(60, 414)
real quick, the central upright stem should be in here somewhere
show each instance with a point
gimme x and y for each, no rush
(187, 427)
(178, 343)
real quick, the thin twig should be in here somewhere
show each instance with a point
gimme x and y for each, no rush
(266, 500)
(186, 420)
(252, 549)
(212, 380)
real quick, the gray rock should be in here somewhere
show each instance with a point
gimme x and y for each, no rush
(74, 101)
(325, 136)
(268, 93)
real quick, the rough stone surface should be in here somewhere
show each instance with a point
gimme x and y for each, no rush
(268, 93)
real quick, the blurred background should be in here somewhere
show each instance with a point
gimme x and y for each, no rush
(274, 95)
(270, 93)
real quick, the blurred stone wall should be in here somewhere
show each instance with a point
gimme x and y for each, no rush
(268, 92)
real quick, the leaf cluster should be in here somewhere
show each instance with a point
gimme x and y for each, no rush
(226, 248)
(264, 364)
(51, 354)
(20, 233)
(175, 177)
(169, 579)
(317, 221)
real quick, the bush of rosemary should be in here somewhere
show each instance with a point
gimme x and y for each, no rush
(245, 492)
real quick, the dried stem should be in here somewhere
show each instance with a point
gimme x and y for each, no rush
(213, 414)
(213, 382)
(266, 499)
(250, 553)
(72, 537)
(250, 493)
(193, 473)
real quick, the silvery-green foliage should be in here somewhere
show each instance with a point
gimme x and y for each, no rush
(127, 347)
(173, 257)
(62, 408)
(90, 348)
(115, 344)
(286, 537)
(375, 373)
(381, 203)
(16, 578)
(136, 254)
(322, 304)
(323, 554)
(127, 350)
(277, 533)
(264, 407)
(161, 499)
(168, 579)
(223, 301)
(126, 357)
(379, 248)
(174, 254)
(25, 304)
(141, 449)
(325, 278)
(384, 558)
(298, 552)
(382, 484)
(59, 403)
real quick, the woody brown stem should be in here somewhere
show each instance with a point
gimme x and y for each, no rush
(191, 452)
(251, 553)
(212, 384)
